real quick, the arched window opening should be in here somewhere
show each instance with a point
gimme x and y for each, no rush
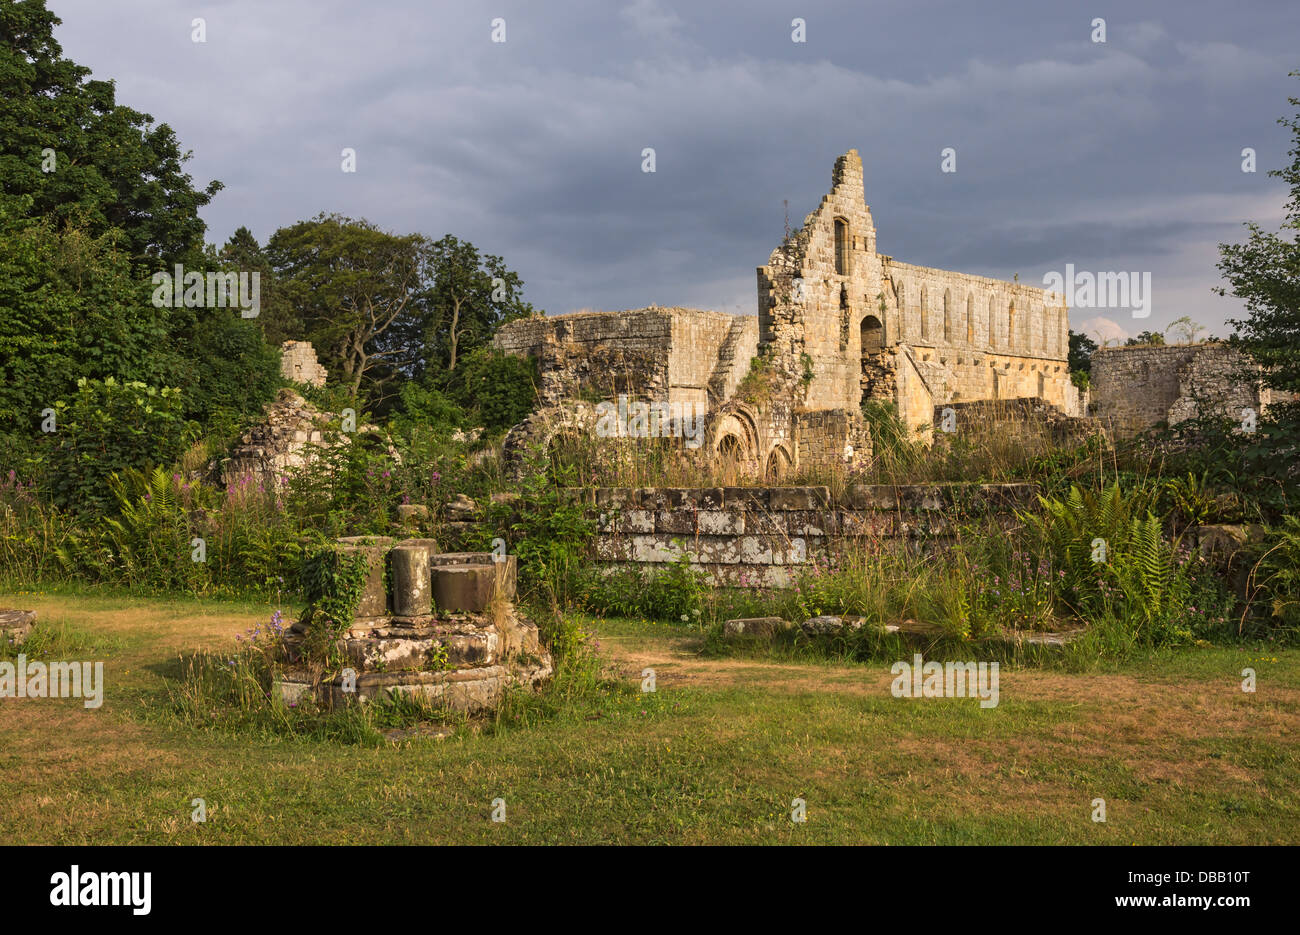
(842, 247)
(925, 324)
(947, 316)
(873, 336)
(778, 466)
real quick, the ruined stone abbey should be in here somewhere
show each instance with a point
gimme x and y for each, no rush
(838, 323)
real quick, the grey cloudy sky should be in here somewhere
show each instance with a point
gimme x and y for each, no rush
(1118, 156)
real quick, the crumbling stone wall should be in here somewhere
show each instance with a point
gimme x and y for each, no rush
(1136, 388)
(298, 363)
(280, 444)
(291, 434)
(1026, 421)
(652, 354)
(837, 322)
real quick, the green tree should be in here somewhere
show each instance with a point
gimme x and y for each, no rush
(105, 428)
(498, 390)
(473, 295)
(1080, 353)
(242, 253)
(1264, 272)
(111, 168)
(69, 307)
(1080, 359)
(360, 294)
(95, 200)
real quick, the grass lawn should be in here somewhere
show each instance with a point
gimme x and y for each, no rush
(715, 755)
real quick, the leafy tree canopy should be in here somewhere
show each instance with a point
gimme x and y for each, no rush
(359, 293)
(69, 307)
(1264, 272)
(473, 295)
(66, 142)
(1081, 350)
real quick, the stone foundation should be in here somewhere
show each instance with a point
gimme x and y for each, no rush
(440, 625)
(16, 626)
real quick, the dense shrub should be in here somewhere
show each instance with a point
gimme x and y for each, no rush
(497, 390)
(677, 593)
(106, 428)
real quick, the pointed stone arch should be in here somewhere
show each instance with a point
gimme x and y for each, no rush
(733, 440)
(779, 465)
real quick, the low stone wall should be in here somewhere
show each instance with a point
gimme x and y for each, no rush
(760, 535)
(1027, 420)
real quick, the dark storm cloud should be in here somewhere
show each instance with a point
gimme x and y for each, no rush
(1122, 156)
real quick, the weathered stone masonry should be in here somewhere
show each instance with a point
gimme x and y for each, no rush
(919, 337)
(429, 623)
(837, 323)
(1136, 388)
(298, 363)
(762, 535)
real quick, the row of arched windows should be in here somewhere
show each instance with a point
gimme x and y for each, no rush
(1002, 325)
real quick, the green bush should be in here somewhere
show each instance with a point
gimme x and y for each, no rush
(346, 489)
(332, 582)
(548, 531)
(677, 593)
(107, 428)
(497, 390)
(1275, 579)
(1117, 566)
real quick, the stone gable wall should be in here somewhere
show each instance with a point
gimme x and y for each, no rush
(971, 337)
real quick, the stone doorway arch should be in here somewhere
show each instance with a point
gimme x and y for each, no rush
(872, 333)
(733, 442)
